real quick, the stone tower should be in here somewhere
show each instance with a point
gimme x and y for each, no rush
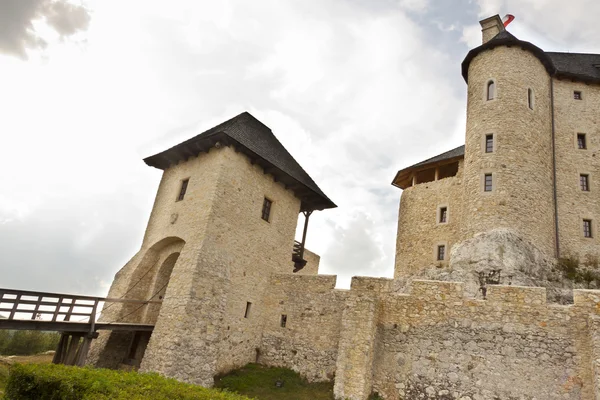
(508, 104)
(223, 222)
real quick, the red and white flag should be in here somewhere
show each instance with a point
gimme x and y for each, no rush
(508, 18)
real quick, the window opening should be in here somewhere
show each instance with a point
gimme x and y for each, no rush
(283, 320)
(581, 144)
(587, 228)
(248, 307)
(584, 182)
(441, 252)
(443, 215)
(266, 210)
(530, 98)
(489, 143)
(184, 185)
(491, 90)
(577, 95)
(488, 183)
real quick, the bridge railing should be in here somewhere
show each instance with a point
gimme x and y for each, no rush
(55, 307)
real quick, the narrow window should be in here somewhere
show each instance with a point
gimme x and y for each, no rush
(577, 95)
(248, 307)
(184, 185)
(581, 144)
(587, 228)
(584, 182)
(491, 90)
(441, 252)
(443, 215)
(283, 320)
(266, 210)
(489, 143)
(530, 98)
(488, 183)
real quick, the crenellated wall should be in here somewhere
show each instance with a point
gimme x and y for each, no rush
(434, 342)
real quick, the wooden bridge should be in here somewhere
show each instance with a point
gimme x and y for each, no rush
(41, 311)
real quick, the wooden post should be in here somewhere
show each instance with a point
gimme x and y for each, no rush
(72, 349)
(414, 179)
(437, 173)
(60, 349)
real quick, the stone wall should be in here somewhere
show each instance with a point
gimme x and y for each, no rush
(572, 117)
(434, 343)
(419, 231)
(308, 343)
(312, 263)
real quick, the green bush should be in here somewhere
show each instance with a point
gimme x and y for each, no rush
(59, 382)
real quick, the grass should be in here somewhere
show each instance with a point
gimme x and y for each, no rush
(4, 366)
(259, 382)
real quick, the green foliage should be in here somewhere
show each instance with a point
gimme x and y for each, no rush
(24, 343)
(260, 382)
(375, 396)
(59, 382)
(571, 269)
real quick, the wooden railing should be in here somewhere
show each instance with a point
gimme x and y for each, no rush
(55, 307)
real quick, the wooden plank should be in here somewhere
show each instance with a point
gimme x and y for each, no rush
(14, 308)
(83, 350)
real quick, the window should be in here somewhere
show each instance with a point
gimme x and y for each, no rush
(491, 90)
(443, 215)
(184, 185)
(530, 98)
(487, 183)
(441, 252)
(248, 307)
(584, 182)
(489, 143)
(581, 144)
(577, 95)
(266, 210)
(283, 320)
(587, 228)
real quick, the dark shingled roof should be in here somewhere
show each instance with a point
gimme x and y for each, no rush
(440, 158)
(576, 66)
(253, 138)
(457, 152)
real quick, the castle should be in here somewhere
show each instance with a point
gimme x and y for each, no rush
(219, 251)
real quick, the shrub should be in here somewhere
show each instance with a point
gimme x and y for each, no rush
(54, 382)
(25, 343)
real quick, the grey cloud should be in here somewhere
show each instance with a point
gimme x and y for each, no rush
(17, 33)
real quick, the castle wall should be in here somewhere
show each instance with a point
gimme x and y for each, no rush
(312, 263)
(434, 343)
(308, 343)
(419, 232)
(572, 117)
(521, 163)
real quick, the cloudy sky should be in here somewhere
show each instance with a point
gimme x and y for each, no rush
(355, 89)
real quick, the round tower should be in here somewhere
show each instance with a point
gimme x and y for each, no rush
(508, 172)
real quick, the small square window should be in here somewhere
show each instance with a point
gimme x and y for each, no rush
(489, 143)
(584, 182)
(184, 185)
(283, 320)
(587, 228)
(488, 183)
(443, 215)
(577, 95)
(266, 210)
(581, 143)
(248, 308)
(441, 252)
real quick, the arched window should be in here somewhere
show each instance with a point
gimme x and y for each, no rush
(530, 98)
(491, 90)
